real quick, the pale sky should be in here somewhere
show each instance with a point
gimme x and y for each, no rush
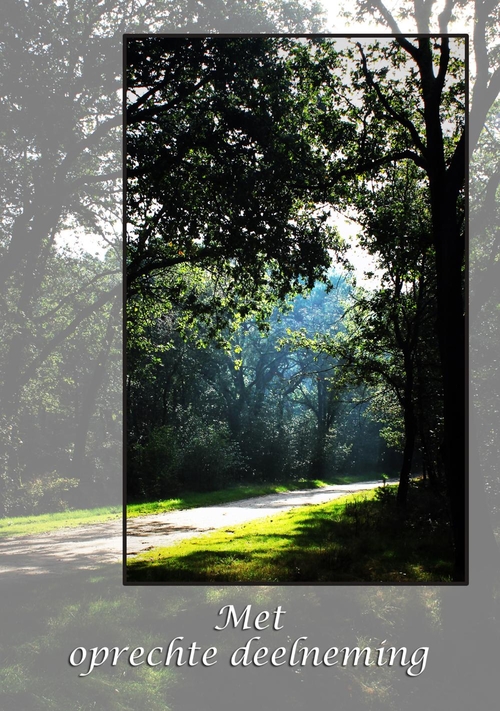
(337, 23)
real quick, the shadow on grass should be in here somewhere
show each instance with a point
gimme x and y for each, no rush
(200, 566)
(90, 609)
(364, 540)
(43, 623)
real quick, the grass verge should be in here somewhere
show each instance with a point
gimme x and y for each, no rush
(192, 500)
(43, 523)
(358, 538)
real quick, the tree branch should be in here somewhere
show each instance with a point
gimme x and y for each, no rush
(50, 347)
(402, 120)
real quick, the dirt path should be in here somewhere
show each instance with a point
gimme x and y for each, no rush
(88, 547)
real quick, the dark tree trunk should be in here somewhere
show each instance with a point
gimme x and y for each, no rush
(404, 476)
(451, 335)
(318, 462)
(445, 184)
(410, 422)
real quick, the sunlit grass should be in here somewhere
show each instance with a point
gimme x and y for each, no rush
(357, 538)
(191, 500)
(43, 523)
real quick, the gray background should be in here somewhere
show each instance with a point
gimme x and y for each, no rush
(44, 618)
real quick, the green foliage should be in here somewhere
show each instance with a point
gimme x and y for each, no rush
(386, 495)
(265, 411)
(219, 171)
(159, 461)
(210, 459)
(200, 458)
(69, 338)
(47, 493)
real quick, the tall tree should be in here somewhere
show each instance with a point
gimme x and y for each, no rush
(410, 106)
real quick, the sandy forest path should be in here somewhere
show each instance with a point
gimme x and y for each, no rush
(88, 547)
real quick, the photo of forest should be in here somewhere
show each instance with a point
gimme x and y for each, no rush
(295, 309)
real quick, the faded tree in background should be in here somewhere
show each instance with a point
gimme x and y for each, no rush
(61, 199)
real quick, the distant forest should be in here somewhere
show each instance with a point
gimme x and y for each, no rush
(269, 409)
